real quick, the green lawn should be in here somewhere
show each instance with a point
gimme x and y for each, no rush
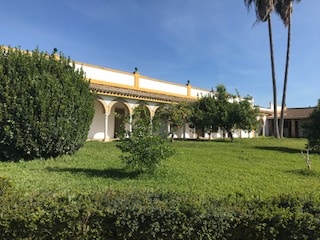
(252, 167)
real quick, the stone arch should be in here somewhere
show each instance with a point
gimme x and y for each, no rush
(156, 108)
(122, 101)
(143, 104)
(164, 124)
(141, 111)
(159, 107)
(97, 126)
(120, 110)
(104, 104)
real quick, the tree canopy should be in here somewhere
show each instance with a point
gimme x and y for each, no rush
(312, 128)
(176, 115)
(225, 111)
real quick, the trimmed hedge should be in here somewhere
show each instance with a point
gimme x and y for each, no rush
(114, 215)
(155, 215)
(282, 217)
(5, 185)
(46, 106)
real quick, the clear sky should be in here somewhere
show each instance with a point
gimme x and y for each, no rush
(208, 42)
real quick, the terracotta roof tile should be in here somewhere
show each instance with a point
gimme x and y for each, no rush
(132, 93)
(298, 113)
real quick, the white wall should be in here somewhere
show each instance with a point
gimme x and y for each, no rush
(107, 75)
(96, 131)
(163, 86)
(197, 92)
(110, 76)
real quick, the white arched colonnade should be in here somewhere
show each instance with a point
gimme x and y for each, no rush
(105, 124)
(119, 93)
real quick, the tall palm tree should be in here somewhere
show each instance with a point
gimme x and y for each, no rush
(263, 9)
(284, 9)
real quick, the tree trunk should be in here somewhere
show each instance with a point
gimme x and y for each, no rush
(284, 93)
(274, 82)
(230, 135)
(172, 137)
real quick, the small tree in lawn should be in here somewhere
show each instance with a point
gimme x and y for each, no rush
(222, 110)
(204, 114)
(197, 117)
(227, 114)
(143, 149)
(231, 118)
(177, 115)
(312, 128)
(234, 112)
(247, 115)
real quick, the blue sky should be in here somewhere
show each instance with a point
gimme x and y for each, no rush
(208, 42)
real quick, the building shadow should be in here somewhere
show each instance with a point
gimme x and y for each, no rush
(113, 173)
(279, 149)
(305, 173)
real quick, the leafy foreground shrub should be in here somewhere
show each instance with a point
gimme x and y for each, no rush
(144, 153)
(118, 215)
(143, 148)
(46, 107)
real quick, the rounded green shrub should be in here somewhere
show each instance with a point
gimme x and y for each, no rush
(46, 106)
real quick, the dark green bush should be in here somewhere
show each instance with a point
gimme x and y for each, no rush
(46, 107)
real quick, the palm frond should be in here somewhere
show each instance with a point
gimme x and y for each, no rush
(263, 8)
(284, 9)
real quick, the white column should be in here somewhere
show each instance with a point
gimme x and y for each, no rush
(168, 128)
(106, 136)
(152, 113)
(264, 119)
(130, 123)
(184, 131)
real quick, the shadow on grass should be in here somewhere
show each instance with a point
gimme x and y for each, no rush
(279, 149)
(305, 173)
(114, 173)
(217, 140)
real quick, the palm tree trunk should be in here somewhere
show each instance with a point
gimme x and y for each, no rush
(285, 82)
(274, 82)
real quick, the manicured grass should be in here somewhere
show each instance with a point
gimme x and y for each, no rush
(252, 167)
